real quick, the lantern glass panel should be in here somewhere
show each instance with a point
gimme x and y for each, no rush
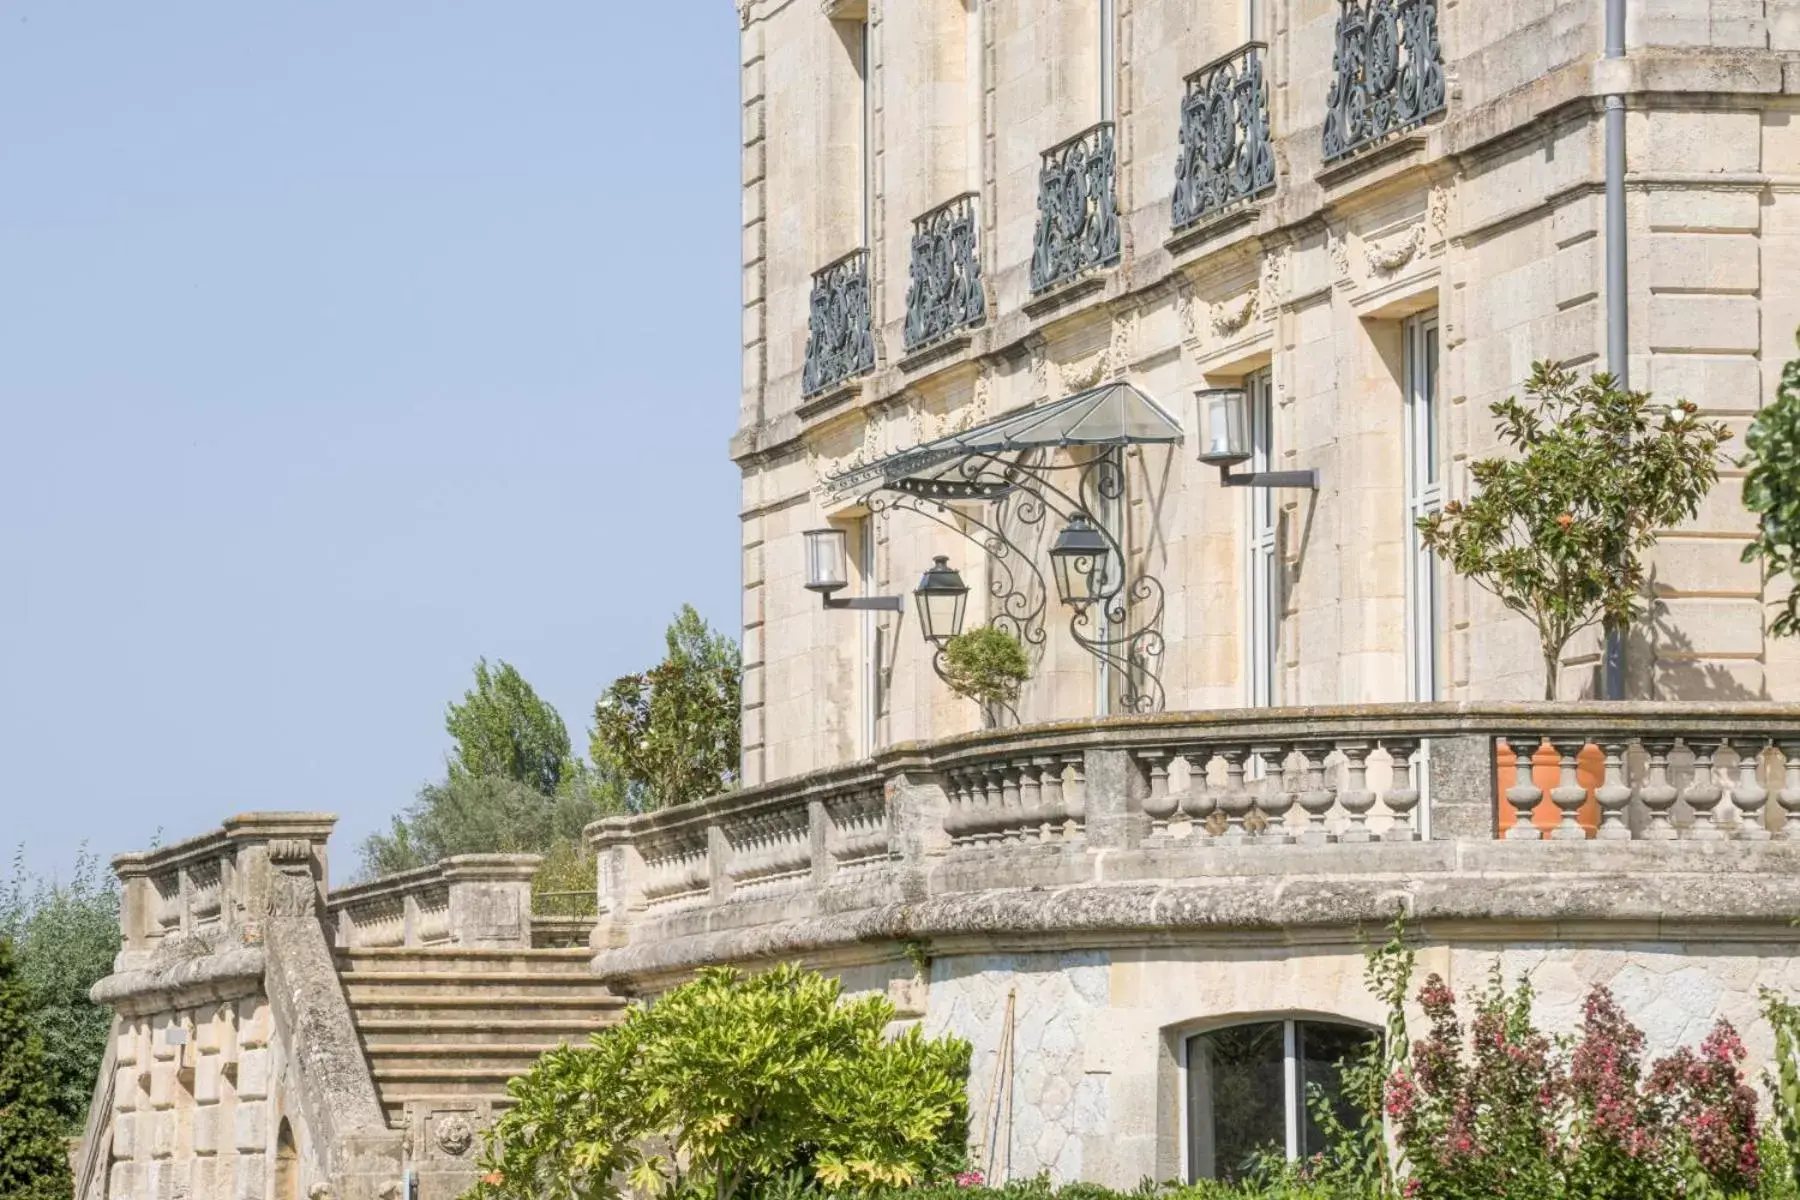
(1225, 414)
(826, 559)
(1081, 561)
(942, 597)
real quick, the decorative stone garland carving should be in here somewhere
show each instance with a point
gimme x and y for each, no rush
(1339, 249)
(1404, 250)
(1227, 322)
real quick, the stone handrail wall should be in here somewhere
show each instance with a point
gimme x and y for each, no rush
(472, 900)
(1184, 797)
(89, 1160)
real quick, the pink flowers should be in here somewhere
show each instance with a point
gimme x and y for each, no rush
(970, 1179)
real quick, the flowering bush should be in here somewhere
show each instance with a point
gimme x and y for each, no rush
(1509, 1113)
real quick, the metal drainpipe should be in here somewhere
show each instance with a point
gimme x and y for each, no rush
(1618, 307)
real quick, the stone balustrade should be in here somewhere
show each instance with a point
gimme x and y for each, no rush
(1412, 788)
(469, 900)
(214, 887)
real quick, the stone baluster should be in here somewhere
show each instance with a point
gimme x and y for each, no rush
(1235, 801)
(1273, 798)
(1703, 792)
(1200, 801)
(1750, 798)
(1568, 795)
(1075, 796)
(1159, 805)
(1614, 796)
(1050, 789)
(1789, 794)
(1524, 794)
(980, 815)
(1658, 795)
(1012, 816)
(995, 818)
(1318, 796)
(1402, 796)
(1356, 798)
(1031, 800)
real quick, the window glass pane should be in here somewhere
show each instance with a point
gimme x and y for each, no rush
(1428, 428)
(1237, 1097)
(1318, 1049)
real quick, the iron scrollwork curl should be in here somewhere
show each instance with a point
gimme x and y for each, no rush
(840, 343)
(1226, 152)
(1388, 72)
(946, 293)
(1078, 209)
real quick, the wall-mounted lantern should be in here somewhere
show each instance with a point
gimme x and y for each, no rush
(942, 597)
(1224, 417)
(827, 571)
(1080, 560)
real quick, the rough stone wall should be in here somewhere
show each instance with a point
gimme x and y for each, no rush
(1095, 1085)
(1495, 222)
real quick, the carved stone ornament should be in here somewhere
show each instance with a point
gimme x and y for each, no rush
(1398, 254)
(1339, 249)
(292, 894)
(290, 850)
(1229, 319)
(454, 1135)
(320, 1191)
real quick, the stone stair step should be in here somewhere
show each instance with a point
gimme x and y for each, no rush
(426, 1007)
(559, 962)
(382, 1032)
(516, 1057)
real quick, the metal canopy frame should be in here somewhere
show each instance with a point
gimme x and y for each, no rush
(1013, 463)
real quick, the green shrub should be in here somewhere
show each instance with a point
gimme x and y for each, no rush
(986, 665)
(33, 1162)
(735, 1085)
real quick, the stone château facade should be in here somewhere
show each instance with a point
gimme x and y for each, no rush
(992, 250)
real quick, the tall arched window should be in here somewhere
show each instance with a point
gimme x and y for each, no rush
(1247, 1088)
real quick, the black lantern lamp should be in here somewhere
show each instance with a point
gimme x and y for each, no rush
(942, 597)
(827, 571)
(1224, 417)
(1080, 559)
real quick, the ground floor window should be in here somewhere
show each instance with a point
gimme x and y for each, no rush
(1247, 1089)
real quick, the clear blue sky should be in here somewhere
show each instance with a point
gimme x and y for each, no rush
(342, 343)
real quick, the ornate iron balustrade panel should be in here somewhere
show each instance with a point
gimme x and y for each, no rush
(1388, 72)
(946, 293)
(840, 343)
(1226, 152)
(1078, 209)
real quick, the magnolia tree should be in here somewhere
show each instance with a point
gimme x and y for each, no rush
(1558, 531)
(1772, 491)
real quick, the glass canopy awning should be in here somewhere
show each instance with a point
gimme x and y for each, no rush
(1113, 414)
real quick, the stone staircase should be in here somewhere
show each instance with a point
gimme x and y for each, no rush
(445, 1028)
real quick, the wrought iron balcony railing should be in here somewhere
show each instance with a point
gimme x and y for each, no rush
(1388, 72)
(1226, 153)
(840, 344)
(1078, 209)
(946, 293)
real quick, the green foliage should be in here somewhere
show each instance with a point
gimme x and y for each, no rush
(735, 1085)
(1772, 491)
(1783, 1078)
(65, 937)
(670, 735)
(504, 731)
(1278, 1183)
(469, 814)
(986, 665)
(1558, 532)
(33, 1154)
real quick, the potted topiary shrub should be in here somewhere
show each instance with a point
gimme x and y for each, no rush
(989, 666)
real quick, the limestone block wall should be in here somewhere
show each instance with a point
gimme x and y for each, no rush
(1490, 217)
(201, 1107)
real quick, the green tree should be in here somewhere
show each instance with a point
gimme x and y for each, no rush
(986, 665)
(33, 1154)
(671, 734)
(486, 814)
(65, 936)
(1772, 492)
(504, 731)
(730, 1085)
(1559, 532)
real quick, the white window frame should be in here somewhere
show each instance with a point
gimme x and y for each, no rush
(865, 68)
(1292, 1101)
(1262, 551)
(1109, 68)
(871, 639)
(1424, 496)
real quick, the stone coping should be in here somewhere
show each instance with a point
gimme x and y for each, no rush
(159, 982)
(1483, 890)
(257, 826)
(458, 867)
